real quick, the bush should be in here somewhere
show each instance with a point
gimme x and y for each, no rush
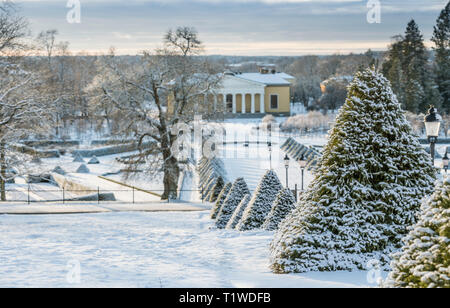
(283, 205)
(237, 215)
(260, 205)
(234, 197)
(220, 199)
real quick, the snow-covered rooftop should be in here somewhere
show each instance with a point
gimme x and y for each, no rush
(279, 79)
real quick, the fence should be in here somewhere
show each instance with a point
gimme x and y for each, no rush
(133, 195)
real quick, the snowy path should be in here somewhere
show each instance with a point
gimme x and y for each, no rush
(94, 207)
(143, 250)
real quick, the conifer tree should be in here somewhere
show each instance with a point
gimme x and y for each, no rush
(367, 188)
(220, 199)
(260, 205)
(237, 215)
(215, 191)
(410, 74)
(441, 40)
(283, 205)
(424, 261)
(234, 197)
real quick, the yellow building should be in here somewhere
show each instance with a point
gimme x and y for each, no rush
(266, 92)
(258, 94)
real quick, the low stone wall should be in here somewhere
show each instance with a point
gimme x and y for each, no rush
(48, 143)
(111, 150)
(39, 153)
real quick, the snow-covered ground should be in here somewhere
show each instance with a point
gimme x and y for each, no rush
(142, 250)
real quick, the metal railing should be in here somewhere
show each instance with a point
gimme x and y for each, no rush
(135, 195)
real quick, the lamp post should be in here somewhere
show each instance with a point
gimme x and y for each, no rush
(432, 126)
(269, 145)
(286, 164)
(302, 162)
(445, 162)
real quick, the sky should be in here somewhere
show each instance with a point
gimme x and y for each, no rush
(234, 27)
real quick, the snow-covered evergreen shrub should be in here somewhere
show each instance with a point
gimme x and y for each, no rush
(209, 185)
(424, 261)
(215, 191)
(94, 160)
(283, 205)
(237, 215)
(367, 189)
(234, 197)
(261, 203)
(83, 169)
(78, 158)
(220, 199)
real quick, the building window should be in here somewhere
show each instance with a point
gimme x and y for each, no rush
(230, 103)
(273, 101)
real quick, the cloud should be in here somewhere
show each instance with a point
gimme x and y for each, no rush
(243, 27)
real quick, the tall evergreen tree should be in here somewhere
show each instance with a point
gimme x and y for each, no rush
(367, 188)
(234, 197)
(441, 40)
(260, 205)
(424, 261)
(410, 74)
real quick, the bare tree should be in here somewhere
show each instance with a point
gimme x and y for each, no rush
(141, 91)
(23, 109)
(46, 40)
(13, 28)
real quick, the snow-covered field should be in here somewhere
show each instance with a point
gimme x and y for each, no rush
(142, 250)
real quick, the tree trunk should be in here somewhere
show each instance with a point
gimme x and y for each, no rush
(171, 175)
(2, 172)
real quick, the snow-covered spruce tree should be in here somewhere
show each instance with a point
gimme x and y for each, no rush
(283, 205)
(215, 191)
(234, 197)
(220, 199)
(261, 203)
(237, 215)
(424, 261)
(367, 188)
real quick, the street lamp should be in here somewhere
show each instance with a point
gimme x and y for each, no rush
(286, 164)
(445, 162)
(269, 145)
(302, 162)
(432, 126)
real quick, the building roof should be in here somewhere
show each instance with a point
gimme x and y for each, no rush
(277, 79)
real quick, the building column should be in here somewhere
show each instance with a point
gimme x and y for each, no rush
(261, 103)
(243, 105)
(215, 102)
(253, 101)
(224, 103)
(234, 102)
